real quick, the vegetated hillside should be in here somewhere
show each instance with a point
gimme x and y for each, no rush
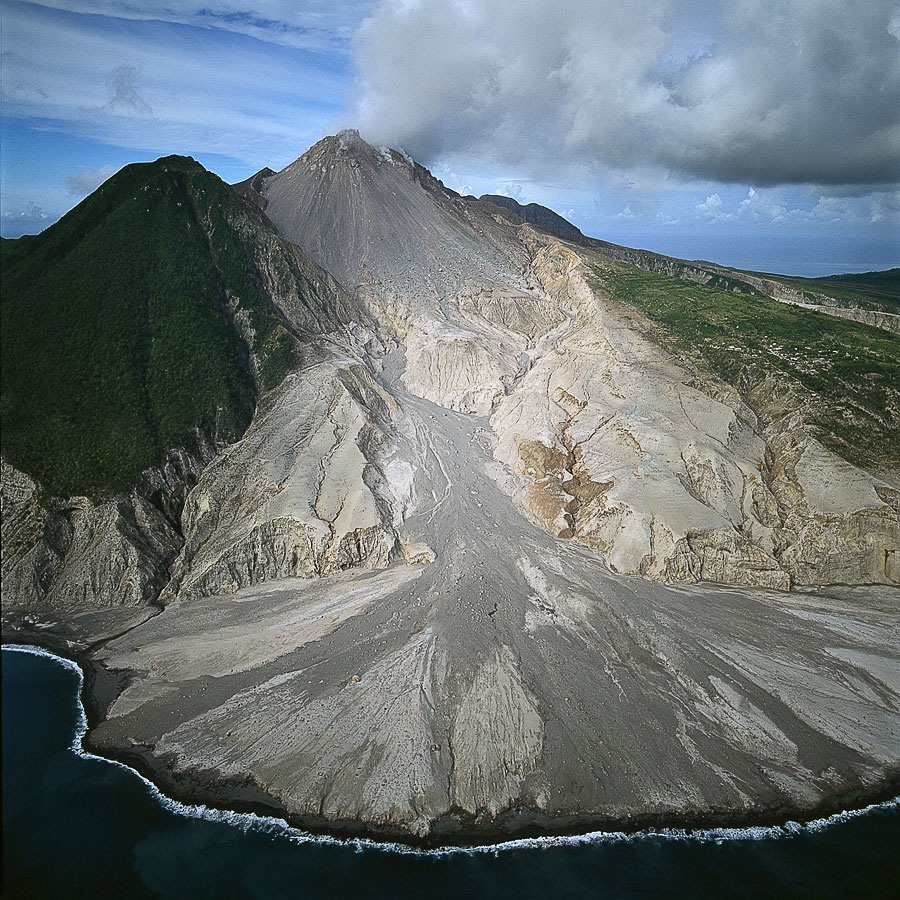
(879, 290)
(847, 373)
(128, 326)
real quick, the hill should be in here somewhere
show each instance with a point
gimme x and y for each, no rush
(140, 322)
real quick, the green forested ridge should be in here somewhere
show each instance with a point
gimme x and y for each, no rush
(848, 373)
(118, 336)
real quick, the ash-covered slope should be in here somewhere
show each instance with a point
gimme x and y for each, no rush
(607, 434)
(377, 220)
(405, 598)
(445, 276)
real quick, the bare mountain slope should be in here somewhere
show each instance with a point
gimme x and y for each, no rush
(502, 677)
(375, 218)
(606, 437)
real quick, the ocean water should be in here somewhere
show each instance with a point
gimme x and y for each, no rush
(78, 826)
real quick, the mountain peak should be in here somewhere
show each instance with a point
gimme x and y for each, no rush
(499, 433)
(347, 144)
(348, 148)
(349, 139)
(374, 216)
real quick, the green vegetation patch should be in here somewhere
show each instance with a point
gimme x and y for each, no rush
(878, 291)
(848, 373)
(120, 336)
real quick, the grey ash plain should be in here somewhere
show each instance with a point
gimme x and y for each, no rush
(380, 622)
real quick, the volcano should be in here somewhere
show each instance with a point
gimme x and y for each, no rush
(425, 515)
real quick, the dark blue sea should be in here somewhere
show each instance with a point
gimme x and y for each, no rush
(78, 826)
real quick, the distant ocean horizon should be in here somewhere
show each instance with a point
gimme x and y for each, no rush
(76, 825)
(800, 256)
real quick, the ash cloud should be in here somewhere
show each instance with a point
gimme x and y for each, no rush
(124, 95)
(84, 182)
(754, 91)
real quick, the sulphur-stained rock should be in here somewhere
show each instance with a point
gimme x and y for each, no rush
(726, 558)
(415, 552)
(616, 446)
(668, 477)
(840, 524)
(837, 523)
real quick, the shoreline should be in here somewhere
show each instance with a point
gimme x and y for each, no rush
(192, 790)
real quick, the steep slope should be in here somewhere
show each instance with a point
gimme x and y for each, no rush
(375, 218)
(151, 290)
(650, 458)
(535, 214)
(443, 277)
(610, 433)
(137, 335)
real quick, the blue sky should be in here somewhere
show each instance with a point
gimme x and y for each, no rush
(758, 133)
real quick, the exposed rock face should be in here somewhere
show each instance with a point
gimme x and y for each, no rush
(513, 675)
(394, 235)
(823, 303)
(838, 524)
(673, 478)
(77, 553)
(299, 494)
(398, 600)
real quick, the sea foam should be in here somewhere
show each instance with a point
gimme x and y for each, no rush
(277, 827)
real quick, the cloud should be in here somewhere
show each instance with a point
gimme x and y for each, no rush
(161, 87)
(27, 218)
(711, 207)
(312, 25)
(894, 24)
(124, 93)
(31, 212)
(807, 208)
(884, 207)
(84, 182)
(756, 91)
(511, 189)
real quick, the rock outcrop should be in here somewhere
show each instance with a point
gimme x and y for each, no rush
(674, 477)
(300, 494)
(76, 553)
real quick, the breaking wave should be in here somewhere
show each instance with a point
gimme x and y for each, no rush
(276, 827)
